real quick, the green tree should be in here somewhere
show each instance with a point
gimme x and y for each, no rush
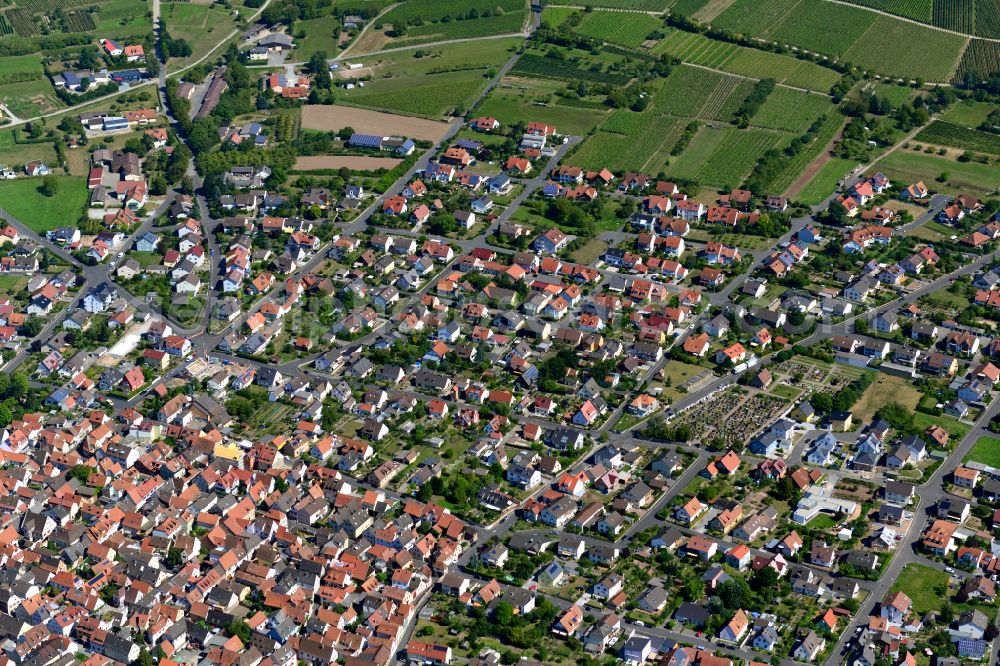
(49, 186)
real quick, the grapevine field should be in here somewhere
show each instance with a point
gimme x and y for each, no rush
(701, 50)
(944, 133)
(988, 18)
(642, 5)
(791, 110)
(724, 157)
(630, 141)
(425, 11)
(918, 10)
(699, 93)
(957, 15)
(531, 64)
(823, 27)
(917, 52)
(625, 28)
(980, 58)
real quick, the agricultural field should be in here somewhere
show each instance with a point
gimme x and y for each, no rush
(642, 5)
(918, 10)
(977, 179)
(753, 18)
(353, 162)
(791, 110)
(691, 92)
(15, 154)
(980, 58)
(639, 143)
(535, 65)
(856, 34)
(917, 52)
(627, 29)
(124, 18)
(988, 18)
(24, 88)
(419, 12)
(22, 199)
(431, 95)
(943, 133)
(332, 118)
(555, 16)
(723, 157)
(823, 27)
(429, 82)
(508, 23)
(896, 94)
(201, 25)
(421, 21)
(700, 50)
(957, 15)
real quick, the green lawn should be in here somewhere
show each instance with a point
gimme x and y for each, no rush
(201, 25)
(22, 199)
(970, 177)
(319, 37)
(11, 284)
(926, 587)
(123, 18)
(967, 113)
(955, 428)
(986, 450)
(15, 155)
(824, 183)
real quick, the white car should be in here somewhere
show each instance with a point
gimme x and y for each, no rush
(949, 570)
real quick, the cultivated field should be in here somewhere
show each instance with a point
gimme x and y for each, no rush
(645, 5)
(330, 118)
(791, 110)
(627, 29)
(691, 92)
(988, 18)
(701, 50)
(944, 133)
(353, 162)
(918, 10)
(631, 141)
(858, 35)
(980, 58)
(201, 25)
(723, 157)
(917, 52)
